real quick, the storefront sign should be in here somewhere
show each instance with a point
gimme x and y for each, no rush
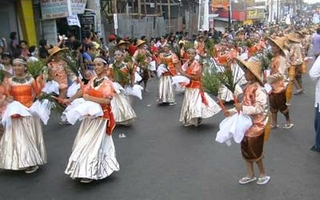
(78, 6)
(53, 9)
(256, 14)
(49, 29)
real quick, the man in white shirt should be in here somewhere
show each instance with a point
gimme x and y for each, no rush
(314, 74)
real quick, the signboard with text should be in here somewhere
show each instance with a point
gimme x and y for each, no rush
(256, 14)
(53, 9)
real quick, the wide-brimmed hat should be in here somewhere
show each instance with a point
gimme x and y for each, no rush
(122, 42)
(53, 51)
(293, 37)
(253, 66)
(140, 42)
(279, 42)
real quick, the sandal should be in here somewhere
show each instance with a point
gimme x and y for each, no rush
(246, 180)
(274, 126)
(287, 126)
(263, 180)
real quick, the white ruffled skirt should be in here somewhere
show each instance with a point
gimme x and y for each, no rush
(122, 110)
(193, 108)
(22, 144)
(93, 154)
(166, 92)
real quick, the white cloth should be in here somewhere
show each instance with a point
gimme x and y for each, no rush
(81, 109)
(136, 91)
(51, 87)
(72, 89)
(117, 87)
(180, 79)
(14, 108)
(233, 127)
(161, 69)
(42, 110)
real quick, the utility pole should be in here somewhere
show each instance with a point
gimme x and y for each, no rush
(169, 15)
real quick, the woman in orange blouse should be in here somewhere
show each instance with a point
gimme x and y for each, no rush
(93, 153)
(26, 131)
(196, 103)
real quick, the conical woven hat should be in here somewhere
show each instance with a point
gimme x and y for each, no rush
(293, 37)
(253, 66)
(122, 42)
(279, 41)
(140, 42)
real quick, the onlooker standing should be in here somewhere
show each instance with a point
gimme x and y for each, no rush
(314, 74)
(316, 43)
(14, 45)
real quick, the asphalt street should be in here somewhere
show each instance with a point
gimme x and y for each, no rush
(162, 160)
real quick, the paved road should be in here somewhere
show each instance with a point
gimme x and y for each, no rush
(162, 160)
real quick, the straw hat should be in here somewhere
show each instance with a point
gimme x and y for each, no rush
(253, 66)
(279, 42)
(293, 37)
(122, 42)
(56, 50)
(140, 42)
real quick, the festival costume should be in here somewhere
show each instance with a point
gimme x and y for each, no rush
(60, 73)
(120, 104)
(276, 79)
(93, 152)
(196, 103)
(166, 93)
(22, 144)
(255, 104)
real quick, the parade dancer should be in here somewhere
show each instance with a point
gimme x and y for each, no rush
(22, 145)
(196, 103)
(168, 64)
(122, 76)
(93, 154)
(142, 58)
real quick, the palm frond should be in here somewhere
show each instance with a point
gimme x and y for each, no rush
(2, 75)
(35, 68)
(70, 59)
(119, 76)
(210, 46)
(210, 81)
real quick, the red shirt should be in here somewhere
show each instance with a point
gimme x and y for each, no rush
(131, 49)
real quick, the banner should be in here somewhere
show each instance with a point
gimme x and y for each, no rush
(73, 20)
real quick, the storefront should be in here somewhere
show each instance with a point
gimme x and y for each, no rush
(15, 19)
